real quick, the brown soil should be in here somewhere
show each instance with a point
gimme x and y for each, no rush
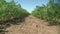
(32, 25)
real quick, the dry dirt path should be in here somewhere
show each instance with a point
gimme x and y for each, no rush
(32, 25)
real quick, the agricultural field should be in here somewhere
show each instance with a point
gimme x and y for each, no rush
(43, 19)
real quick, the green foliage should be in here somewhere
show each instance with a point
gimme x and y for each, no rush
(10, 10)
(49, 12)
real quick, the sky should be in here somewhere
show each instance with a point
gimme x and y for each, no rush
(30, 5)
